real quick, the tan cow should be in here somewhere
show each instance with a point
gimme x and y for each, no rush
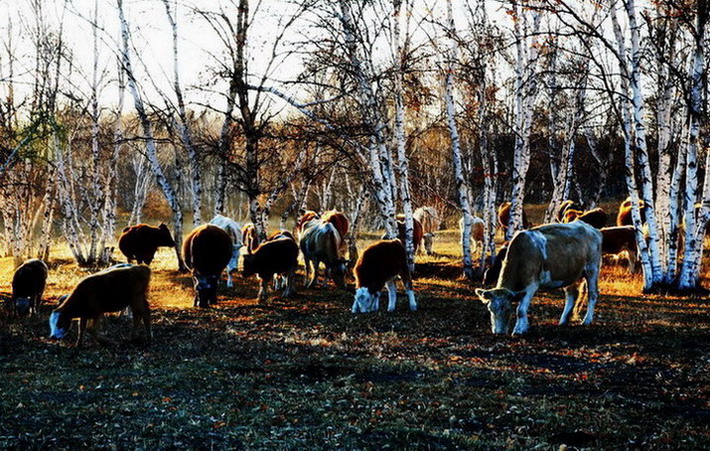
(431, 222)
(548, 256)
(476, 232)
(616, 240)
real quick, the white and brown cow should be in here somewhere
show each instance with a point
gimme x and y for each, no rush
(321, 242)
(111, 290)
(431, 222)
(378, 266)
(548, 256)
(616, 240)
(234, 230)
(28, 285)
(476, 232)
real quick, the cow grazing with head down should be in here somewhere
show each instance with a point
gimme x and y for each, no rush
(430, 221)
(377, 267)
(322, 242)
(207, 250)
(476, 232)
(623, 218)
(250, 239)
(616, 240)
(275, 257)
(234, 230)
(504, 216)
(596, 218)
(111, 290)
(564, 207)
(140, 242)
(549, 256)
(28, 285)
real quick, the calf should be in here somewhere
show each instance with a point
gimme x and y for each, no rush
(616, 240)
(234, 230)
(250, 239)
(140, 242)
(111, 290)
(504, 216)
(28, 284)
(276, 257)
(378, 266)
(431, 222)
(623, 217)
(549, 256)
(207, 250)
(476, 232)
(321, 242)
(597, 217)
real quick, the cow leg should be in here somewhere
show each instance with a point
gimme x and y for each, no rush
(392, 295)
(593, 292)
(571, 295)
(375, 303)
(307, 265)
(230, 284)
(410, 294)
(82, 330)
(94, 329)
(521, 325)
(263, 289)
(316, 267)
(633, 261)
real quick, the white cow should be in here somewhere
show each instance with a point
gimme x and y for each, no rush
(548, 256)
(234, 230)
(476, 232)
(430, 221)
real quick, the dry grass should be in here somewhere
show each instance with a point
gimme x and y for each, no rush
(305, 373)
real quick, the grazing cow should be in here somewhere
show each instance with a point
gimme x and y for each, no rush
(504, 216)
(140, 242)
(234, 230)
(431, 222)
(549, 256)
(597, 217)
(321, 242)
(28, 286)
(276, 257)
(418, 232)
(567, 205)
(616, 240)
(111, 290)
(378, 266)
(623, 218)
(250, 239)
(476, 232)
(207, 250)
(305, 217)
(491, 275)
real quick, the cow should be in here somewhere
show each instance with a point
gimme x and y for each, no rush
(234, 230)
(504, 216)
(623, 218)
(207, 250)
(431, 222)
(491, 275)
(616, 240)
(250, 239)
(567, 205)
(28, 285)
(306, 216)
(476, 232)
(418, 232)
(548, 256)
(597, 217)
(339, 221)
(111, 290)
(140, 242)
(321, 242)
(276, 257)
(378, 266)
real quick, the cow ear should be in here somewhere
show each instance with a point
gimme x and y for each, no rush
(484, 295)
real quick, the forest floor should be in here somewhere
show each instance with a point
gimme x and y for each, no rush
(305, 373)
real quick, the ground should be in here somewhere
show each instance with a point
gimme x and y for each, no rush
(305, 373)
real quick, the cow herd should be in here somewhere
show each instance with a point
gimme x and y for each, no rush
(559, 255)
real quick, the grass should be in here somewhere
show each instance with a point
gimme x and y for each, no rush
(305, 373)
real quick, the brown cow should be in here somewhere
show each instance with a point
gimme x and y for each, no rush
(616, 240)
(305, 217)
(339, 220)
(477, 228)
(564, 207)
(623, 218)
(207, 251)
(140, 242)
(111, 290)
(401, 231)
(378, 266)
(28, 284)
(504, 216)
(597, 217)
(276, 257)
(250, 238)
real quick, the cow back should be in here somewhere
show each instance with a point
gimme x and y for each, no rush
(275, 257)
(504, 216)
(30, 278)
(322, 241)
(233, 229)
(339, 221)
(207, 250)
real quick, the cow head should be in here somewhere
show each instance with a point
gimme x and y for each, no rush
(365, 301)
(23, 305)
(499, 302)
(338, 271)
(164, 236)
(205, 288)
(248, 269)
(58, 325)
